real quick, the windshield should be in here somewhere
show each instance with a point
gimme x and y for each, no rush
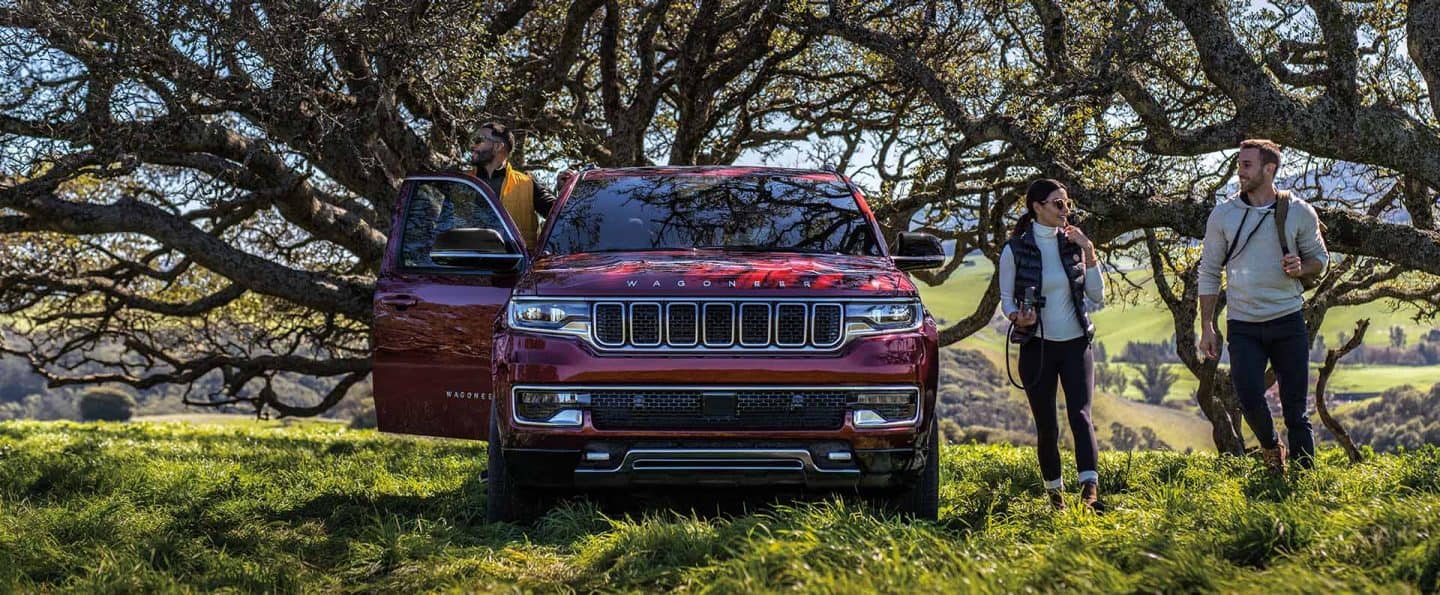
(682, 212)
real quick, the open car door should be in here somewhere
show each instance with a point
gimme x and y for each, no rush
(453, 257)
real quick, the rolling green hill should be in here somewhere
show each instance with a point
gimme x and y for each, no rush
(312, 507)
(1149, 321)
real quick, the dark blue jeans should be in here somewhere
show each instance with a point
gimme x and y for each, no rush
(1281, 343)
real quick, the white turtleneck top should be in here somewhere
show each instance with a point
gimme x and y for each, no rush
(1058, 315)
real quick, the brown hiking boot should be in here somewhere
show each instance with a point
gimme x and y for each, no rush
(1275, 459)
(1057, 499)
(1090, 496)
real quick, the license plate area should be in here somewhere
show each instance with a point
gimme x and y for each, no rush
(718, 405)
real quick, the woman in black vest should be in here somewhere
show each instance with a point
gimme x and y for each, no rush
(1048, 258)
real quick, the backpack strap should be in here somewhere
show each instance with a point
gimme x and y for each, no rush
(1282, 208)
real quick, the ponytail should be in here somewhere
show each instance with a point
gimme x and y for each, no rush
(1023, 224)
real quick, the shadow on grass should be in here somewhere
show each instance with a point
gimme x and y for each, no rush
(458, 516)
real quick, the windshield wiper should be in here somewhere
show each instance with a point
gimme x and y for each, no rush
(610, 250)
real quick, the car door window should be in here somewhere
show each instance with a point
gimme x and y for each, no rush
(437, 206)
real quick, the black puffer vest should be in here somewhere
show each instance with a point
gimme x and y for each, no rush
(1028, 273)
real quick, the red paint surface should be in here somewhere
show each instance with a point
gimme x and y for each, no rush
(686, 274)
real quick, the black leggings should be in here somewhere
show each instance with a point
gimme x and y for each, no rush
(1070, 364)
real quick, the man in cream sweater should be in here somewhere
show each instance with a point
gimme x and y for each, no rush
(1263, 298)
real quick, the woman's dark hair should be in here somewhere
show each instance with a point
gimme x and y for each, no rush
(1039, 190)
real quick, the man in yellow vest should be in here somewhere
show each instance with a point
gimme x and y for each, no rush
(522, 197)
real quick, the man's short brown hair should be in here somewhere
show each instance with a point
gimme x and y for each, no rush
(1269, 151)
(499, 131)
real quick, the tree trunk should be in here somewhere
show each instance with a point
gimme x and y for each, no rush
(1332, 357)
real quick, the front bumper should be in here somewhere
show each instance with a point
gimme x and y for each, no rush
(900, 359)
(837, 457)
(823, 465)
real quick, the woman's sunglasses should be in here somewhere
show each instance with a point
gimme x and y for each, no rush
(1064, 203)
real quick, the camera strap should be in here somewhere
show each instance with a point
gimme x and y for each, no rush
(1237, 248)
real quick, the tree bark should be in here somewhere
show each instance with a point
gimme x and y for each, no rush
(1331, 358)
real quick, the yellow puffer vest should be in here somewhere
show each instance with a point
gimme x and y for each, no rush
(517, 195)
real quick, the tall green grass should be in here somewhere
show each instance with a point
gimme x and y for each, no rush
(145, 507)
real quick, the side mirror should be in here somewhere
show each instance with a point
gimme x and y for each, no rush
(474, 248)
(915, 251)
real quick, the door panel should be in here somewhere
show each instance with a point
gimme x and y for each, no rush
(434, 324)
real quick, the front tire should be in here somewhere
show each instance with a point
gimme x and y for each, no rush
(921, 499)
(505, 500)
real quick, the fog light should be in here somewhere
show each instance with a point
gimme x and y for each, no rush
(554, 398)
(889, 408)
(550, 408)
(866, 417)
(885, 398)
(568, 417)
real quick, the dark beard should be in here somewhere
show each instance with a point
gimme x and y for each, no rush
(481, 158)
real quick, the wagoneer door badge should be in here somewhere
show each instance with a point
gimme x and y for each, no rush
(462, 394)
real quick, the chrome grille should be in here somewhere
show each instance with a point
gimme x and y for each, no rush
(718, 325)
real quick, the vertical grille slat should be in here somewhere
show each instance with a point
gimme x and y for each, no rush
(645, 325)
(790, 325)
(610, 324)
(754, 324)
(682, 325)
(827, 324)
(719, 325)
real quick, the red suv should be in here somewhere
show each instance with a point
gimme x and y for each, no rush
(675, 326)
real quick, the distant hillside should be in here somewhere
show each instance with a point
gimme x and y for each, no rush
(977, 399)
(1402, 418)
(264, 508)
(1148, 321)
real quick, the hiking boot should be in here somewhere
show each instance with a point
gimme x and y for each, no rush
(1090, 496)
(1275, 459)
(1057, 499)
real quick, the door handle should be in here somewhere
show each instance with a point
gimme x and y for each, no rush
(400, 301)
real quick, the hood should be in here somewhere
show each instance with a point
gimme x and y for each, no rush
(715, 273)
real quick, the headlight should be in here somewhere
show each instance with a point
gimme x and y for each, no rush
(877, 318)
(551, 316)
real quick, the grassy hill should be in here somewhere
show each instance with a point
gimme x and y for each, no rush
(262, 507)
